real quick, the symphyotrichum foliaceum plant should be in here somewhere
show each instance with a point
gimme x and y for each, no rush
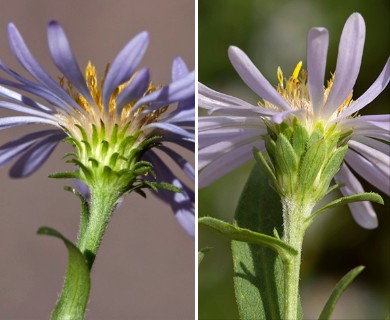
(121, 126)
(303, 135)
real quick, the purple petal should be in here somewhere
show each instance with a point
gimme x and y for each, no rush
(181, 203)
(84, 190)
(180, 161)
(372, 133)
(226, 163)
(222, 103)
(134, 90)
(373, 91)
(280, 116)
(179, 140)
(26, 59)
(14, 148)
(369, 171)
(35, 157)
(65, 61)
(254, 79)
(182, 118)
(362, 212)
(8, 122)
(380, 121)
(348, 63)
(124, 65)
(179, 69)
(184, 114)
(378, 158)
(169, 127)
(175, 91)
(223, 147)
(16, 96)
(317, 49)
(214, 138)
(19, 108)
(35, 89)
(210, 123)
(373, 143)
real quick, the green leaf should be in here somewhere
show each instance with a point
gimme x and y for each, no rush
(338, 291)
(258, 270)
(74, 296)
(201, 253)
(240, 234)
(366, 196)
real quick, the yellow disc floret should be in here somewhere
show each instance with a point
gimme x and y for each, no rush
(295, 91)
(109, 115)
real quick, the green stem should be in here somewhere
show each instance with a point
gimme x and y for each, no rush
(294, 230)
(103, 204)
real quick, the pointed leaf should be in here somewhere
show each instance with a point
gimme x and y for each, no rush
(240, 234)
(366, 196)
(338, 291)
(74, 296)
(258, 271)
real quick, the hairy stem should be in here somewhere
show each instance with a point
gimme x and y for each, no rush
(294, 230)
(103, 204)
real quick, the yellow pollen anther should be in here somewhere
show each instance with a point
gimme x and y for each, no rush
(280, 76)
(97, 113)
(295, 90)
(297, 70)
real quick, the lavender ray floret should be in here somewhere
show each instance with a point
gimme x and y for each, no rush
(317, 49)
(26, 59)
(64, 59)
(35, 157)
(348, 62)
(124, 65)
(134, 90)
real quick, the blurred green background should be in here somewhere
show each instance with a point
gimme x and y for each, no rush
(273, 33)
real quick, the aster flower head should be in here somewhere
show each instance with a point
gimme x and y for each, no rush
(301, 119)
(119, 122)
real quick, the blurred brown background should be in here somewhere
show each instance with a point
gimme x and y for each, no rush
(145, 266)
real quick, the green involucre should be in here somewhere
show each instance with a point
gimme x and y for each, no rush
(304, 164)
